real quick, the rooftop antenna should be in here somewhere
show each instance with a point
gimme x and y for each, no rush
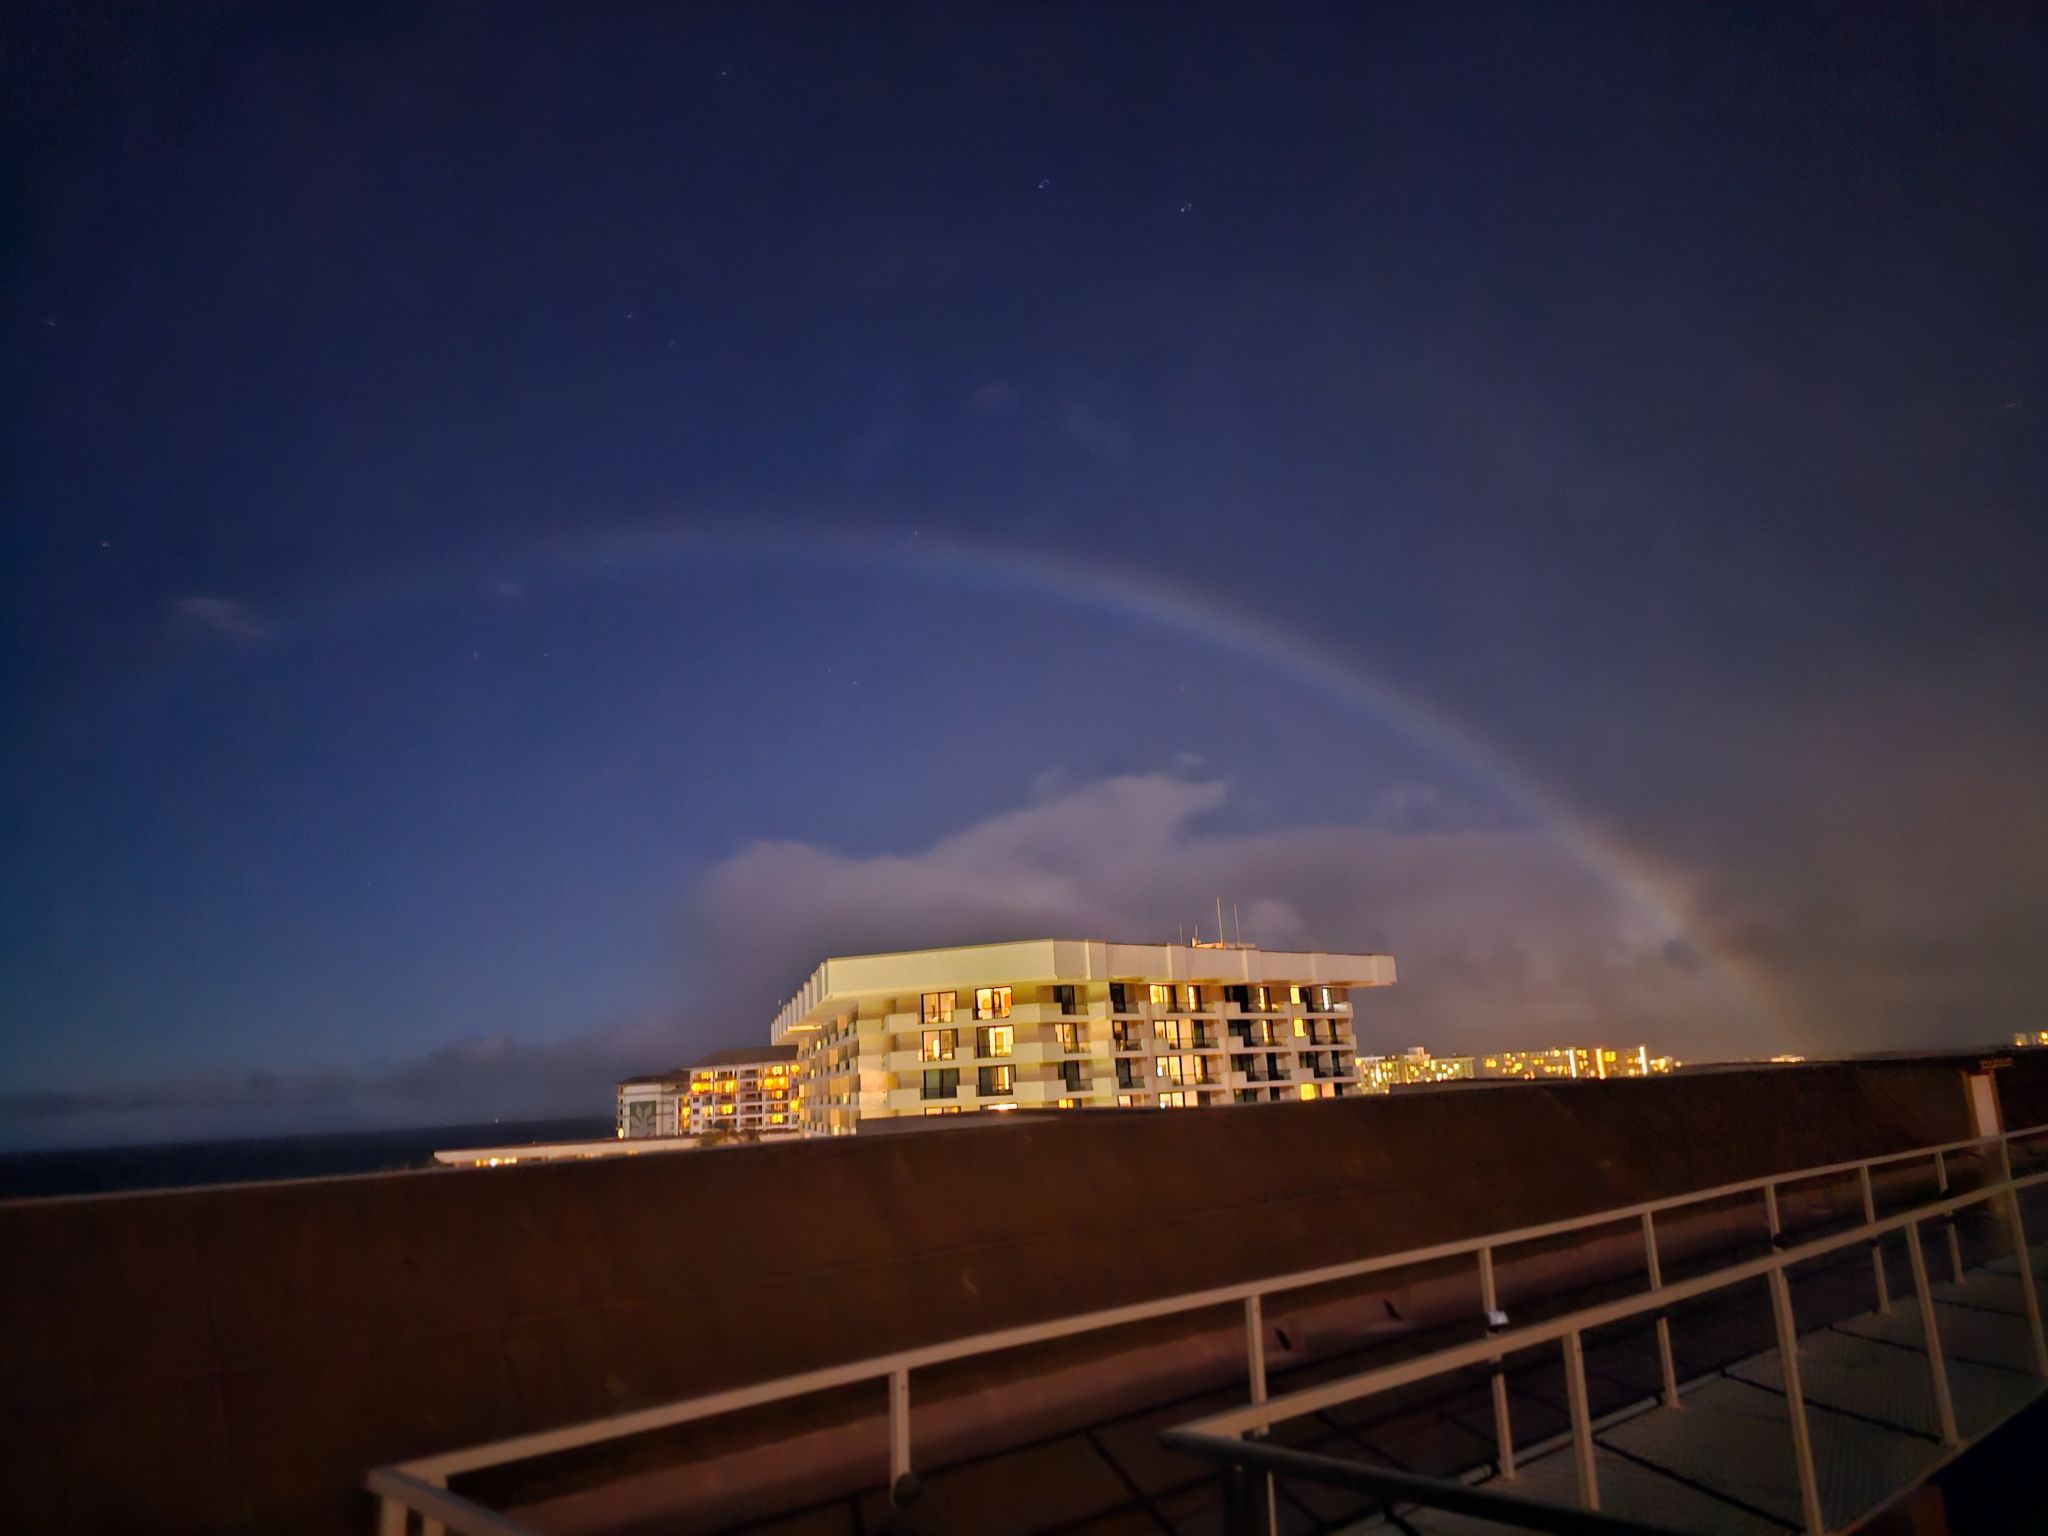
(1219, 919)
(1238, 924)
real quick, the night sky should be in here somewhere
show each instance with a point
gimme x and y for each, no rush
(525, 529)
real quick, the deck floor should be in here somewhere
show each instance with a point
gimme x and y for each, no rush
(1722, 1462)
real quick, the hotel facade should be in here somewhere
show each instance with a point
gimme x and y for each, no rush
(748, 1092)
(1071, 1024)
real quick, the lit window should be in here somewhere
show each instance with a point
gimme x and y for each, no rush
(1068, 1104)
(995, 1040)
(992, 1002)
(1127, 1101)
(1308, 1090)
(1191, 997)
(1072, 1037)
(1301, 1029)
(939, 1044)
(1169, 1033)
(1162, 994)
(1265, 997)
(994, 1080)
(1173, 1101)
(946, 1109)
(938, 1007)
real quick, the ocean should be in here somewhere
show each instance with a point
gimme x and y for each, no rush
(172, 1165)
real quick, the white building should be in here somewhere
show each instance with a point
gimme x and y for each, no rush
(750, 1091)
(1070, 1024)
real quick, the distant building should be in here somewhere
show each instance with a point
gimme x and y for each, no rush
(749, 1091)
(1071, 1024)
(1378, 1074)
(1575, 1061)
(2031, 1037)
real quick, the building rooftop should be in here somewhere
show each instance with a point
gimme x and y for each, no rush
(738, 1056)
(741, 1056)
(910, 971)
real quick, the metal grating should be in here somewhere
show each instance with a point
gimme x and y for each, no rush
(1857, 1375)
(1734, 1438)
(1967, 1333)
(1626, 1488)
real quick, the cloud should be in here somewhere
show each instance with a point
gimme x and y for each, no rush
(482, 1078)
(1879, 858)
(222, 616)
(1502, 935)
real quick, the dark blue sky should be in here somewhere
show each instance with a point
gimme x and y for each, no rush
(523, 528)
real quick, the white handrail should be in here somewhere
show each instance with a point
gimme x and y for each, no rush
(434, 1470)
(1255, 1416)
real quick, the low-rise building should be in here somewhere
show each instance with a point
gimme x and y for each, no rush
(1575, 1061)
(1071, 1024)
(750, 1091)
(1378, 1074)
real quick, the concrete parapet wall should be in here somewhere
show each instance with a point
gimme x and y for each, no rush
(235, 1359)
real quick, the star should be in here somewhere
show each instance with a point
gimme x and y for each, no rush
(1045, 183)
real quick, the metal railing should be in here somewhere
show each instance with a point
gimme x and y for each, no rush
(1219, 1436)
(419, 1486)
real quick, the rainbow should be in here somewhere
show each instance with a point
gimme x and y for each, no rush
(1121, 595)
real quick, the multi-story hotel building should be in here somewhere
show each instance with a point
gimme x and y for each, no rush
(751, 1091)
(1071, 1024)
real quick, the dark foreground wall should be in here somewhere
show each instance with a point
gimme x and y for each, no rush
(235, 1359)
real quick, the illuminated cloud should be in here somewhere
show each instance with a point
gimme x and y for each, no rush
(1502, 935)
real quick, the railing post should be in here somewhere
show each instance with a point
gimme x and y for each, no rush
(2028, 1296)
(1503, 1426)
(1255, 1371)
(1948, 1221)
(899, 1426)
(392, 1517)
(429, 1526)
(1795, 1402)
(1884, 1295)
(1582, 1420)
(1771, 1213)
(1670, 1367)
(1240, 1501)
(1255, 1346)
(1937, 1364)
